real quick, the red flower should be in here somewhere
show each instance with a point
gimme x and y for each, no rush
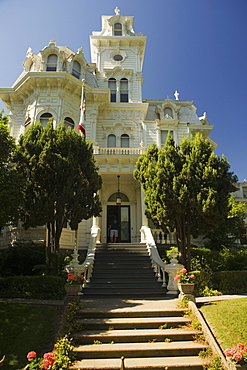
(183, 271)
(228, 352)
(237, 356)
(45, 364)
(177, 278)
(31, 355)
(240, 346)
(191, 276)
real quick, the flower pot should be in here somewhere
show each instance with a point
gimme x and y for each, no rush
(73, 289)
(232, 366)
(186, 288)
(186, 291)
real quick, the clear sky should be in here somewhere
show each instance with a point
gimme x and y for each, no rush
(197, 47)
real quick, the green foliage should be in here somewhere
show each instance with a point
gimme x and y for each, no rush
(183, 303)
(64, 353)
(186, 188)
(21, 259)
(232, 229)
(32, 287)
(215, 364)
(196, 325)
(230, 282)
(11, 183)
(71, 317)
(61, 182)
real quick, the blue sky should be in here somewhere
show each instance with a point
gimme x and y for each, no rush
(197, 47)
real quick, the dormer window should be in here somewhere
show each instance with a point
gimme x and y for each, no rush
(168, 112)
(76, 70)
(51, 63)
(117, 29)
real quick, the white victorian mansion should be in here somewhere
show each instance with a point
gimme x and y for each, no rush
(119, 121)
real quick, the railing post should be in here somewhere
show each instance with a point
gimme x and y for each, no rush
(172, 269)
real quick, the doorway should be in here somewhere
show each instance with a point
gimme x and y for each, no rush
(119, 217)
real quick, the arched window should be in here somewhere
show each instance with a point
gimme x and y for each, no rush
(76, 70)
(113, 87)
(44, 118)
(168, 111)
(124, 90)
(51, 62)
(117, 29)
(111, 141)
(68, 122)
(124, 141)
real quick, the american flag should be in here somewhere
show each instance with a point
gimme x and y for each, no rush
(83, 111)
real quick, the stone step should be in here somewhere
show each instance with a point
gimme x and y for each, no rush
(133, 322)
(138, 335)
(155, 349)
(147, 363)
(123, 313)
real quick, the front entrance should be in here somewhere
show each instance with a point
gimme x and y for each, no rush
(119, 217)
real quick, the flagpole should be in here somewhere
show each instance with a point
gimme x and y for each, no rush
(82, 108)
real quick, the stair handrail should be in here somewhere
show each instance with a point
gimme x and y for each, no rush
(86, 268)
(159, 266)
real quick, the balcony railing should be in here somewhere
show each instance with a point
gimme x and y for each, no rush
(118, 151)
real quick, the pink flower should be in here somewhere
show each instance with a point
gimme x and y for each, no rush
(183, 271)
(237, 356)
(177, 278)
(234, 350)
(191, 276)
(228, 352)
(240, 346)
(31, 355)
(45, 364)
(49, 356)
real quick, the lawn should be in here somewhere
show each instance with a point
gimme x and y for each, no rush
(26, 328)
(228, 321)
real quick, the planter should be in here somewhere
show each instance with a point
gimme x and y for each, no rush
(186, 288)
(186, 291)
(73, 289)
(232, 366)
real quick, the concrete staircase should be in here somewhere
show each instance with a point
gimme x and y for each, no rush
(146, 335)
(125, 313)
(123, 270)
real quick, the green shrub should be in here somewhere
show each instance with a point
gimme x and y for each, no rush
(230, 282)
(32, 287)
(21, 258)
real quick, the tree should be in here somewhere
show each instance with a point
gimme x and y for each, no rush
(10, 180)
(186, 188)
(62, 182)
(233, 228)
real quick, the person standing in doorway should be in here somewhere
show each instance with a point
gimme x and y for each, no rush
(113, 231)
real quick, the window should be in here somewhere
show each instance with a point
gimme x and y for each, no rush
(44, 118)
(124, 141)
(124, 96)
(51, 62)
(168, 111)
(163, 136)
(68, 122)
(117, 29)
(111, 141)
(76, 70)
(118, 58)
(113, 87)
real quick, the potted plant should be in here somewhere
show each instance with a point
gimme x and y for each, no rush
(73, 284)
(186, 284)
(237, 357)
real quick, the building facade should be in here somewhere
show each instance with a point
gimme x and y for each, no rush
(120, 122)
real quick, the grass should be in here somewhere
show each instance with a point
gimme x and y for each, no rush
(228, 321)
(26, 328)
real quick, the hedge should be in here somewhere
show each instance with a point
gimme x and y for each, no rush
(230, 282)
(32, 287)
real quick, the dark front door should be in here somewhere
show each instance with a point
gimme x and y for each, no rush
(119, 217)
